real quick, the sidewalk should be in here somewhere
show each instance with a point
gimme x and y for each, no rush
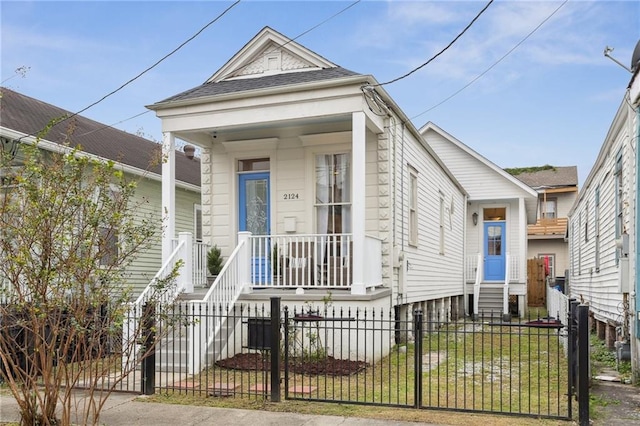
(122, 409)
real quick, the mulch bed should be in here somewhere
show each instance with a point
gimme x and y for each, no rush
(328, 366)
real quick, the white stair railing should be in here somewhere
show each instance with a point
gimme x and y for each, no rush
(476, 285)
(157, 291)
(220, 300)
(505, 288)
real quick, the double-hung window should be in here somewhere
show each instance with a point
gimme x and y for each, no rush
(413, 207)
(333, 193)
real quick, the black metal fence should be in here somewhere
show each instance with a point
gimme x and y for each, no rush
(514, 368)
(364, 356)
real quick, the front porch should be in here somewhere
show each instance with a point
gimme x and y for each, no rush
(299, 262)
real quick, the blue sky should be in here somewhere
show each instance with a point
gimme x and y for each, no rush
(550, 101)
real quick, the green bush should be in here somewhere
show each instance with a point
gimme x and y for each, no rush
(214, 260)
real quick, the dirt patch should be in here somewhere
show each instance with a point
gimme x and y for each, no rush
(615, 403)
(328, 366)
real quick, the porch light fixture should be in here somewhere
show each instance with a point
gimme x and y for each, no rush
(9, 147)
(474, 217)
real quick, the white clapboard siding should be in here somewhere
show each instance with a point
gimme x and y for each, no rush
(430, 274)
(598, 285)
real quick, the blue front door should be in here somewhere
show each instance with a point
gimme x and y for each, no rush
(253, 216)
(494, 251)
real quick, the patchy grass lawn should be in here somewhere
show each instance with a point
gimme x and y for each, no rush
(472, 367)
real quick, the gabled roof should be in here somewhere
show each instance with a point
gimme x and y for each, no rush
(553, 177)
(28, 116)
(264, 54)
(530, 196)
(268, 60)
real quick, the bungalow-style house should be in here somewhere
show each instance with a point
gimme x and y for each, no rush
(557, 187)
(22, 117)
(603, 232)
(316, 184)
(499, 208)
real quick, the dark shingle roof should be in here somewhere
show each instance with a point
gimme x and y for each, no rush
(558, 176)
(263, 82)
(28, 115)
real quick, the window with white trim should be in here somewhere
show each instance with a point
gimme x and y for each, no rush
(596, 227)
(548, 208)
(413, 207)
(550, 262)
(333, 193)
(197, 222)
(109, 244)
(442, 222)
(618, 200)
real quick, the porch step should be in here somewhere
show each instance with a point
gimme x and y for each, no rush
(175, 350)
(198, 294)
(490, 302)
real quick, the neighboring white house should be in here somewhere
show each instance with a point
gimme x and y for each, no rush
(499, 207)
(21, 117)
(557, 187)
(315, 181)
(603, 232)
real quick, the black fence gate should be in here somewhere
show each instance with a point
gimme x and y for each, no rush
(522, 367)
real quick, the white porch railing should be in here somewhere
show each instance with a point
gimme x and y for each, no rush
(311, 261)
(200, 251)
(199, 258)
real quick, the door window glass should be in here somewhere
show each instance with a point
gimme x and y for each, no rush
(494, 240)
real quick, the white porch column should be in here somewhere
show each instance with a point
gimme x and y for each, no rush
(244, 262)
(168, 193)
(358, 148)
(185, 279)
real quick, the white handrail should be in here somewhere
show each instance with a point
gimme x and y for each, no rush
(130, 327)
(219, 302)
(164, 271)
(476, 285)
(505, 288)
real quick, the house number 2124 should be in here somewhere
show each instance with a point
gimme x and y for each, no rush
(290, 196)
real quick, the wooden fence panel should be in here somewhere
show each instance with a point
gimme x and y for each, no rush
(536, 286)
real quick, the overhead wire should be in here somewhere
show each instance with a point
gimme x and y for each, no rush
(143, 72)
(291, 40)
(495, 63)
(451, 43)
(171, 53)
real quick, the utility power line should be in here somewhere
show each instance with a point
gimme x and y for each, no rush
(443, 50)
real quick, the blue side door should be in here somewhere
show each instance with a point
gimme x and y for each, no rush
(494, 251)
(253, 216)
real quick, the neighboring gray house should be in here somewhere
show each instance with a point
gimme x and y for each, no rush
(22, 116)
(557, 187)
(603, 231)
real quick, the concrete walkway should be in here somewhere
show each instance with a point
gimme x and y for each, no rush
(123, 409)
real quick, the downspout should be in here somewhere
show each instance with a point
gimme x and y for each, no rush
(636, 290)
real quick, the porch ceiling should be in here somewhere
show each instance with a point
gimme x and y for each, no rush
(272, 129)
